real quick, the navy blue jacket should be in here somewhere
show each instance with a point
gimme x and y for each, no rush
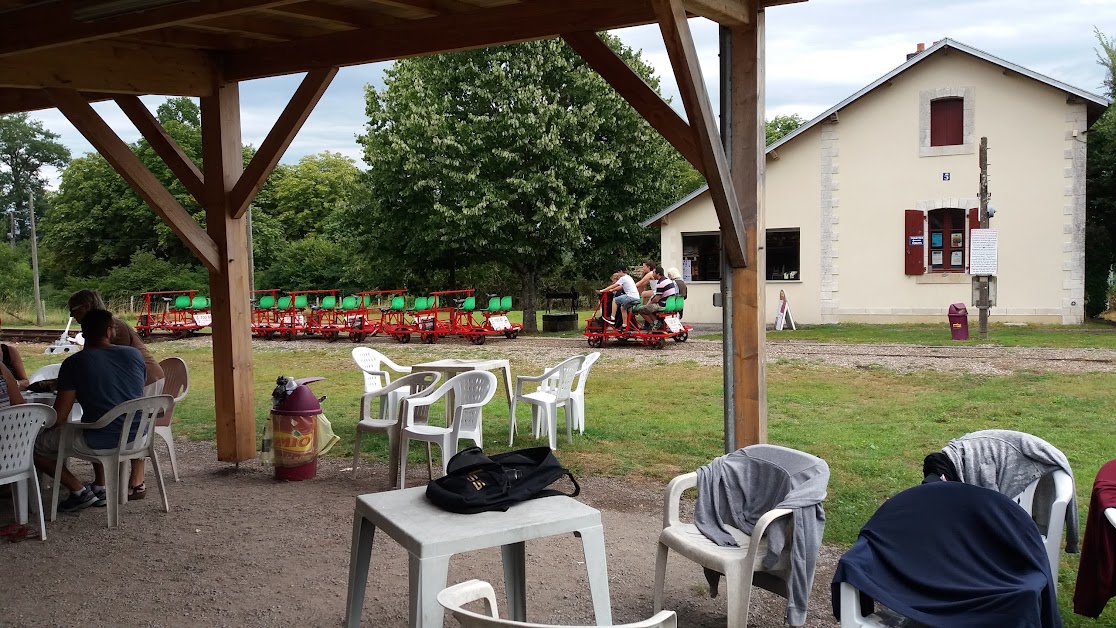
(952, 555)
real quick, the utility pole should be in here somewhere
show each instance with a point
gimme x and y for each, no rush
(39, 314)
(11, 228)
(983, 300)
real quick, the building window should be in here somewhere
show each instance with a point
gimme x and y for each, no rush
(947, 122)
(947, 240)
(701, 257)
(783, 254)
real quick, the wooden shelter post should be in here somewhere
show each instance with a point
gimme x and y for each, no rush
(743, 130)
(228, 284)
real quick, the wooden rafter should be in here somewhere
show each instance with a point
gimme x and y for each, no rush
(335, 14)
(78, 111)
(638, 93)
(687, 71)
(15, 100)
(112, 67)
(730, 12)
(267, 26)
(282, 134)
(164, 145)
(25, 31)
(186, 37)
(500, 25)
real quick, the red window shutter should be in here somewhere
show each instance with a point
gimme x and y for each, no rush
(947, 122)
(974, 223)
(914, 242)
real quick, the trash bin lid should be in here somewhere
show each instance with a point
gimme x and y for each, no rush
(301, 402)
(958, 308)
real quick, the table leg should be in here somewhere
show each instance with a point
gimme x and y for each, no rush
(514, 556)
(363, 533)
(428, 576)
(596, 564)
(508, 385)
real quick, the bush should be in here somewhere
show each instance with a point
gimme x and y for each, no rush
(144, 273)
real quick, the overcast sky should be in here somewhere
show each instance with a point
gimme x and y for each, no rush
(818, 53)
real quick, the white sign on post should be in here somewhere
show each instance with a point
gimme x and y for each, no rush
(983, 251)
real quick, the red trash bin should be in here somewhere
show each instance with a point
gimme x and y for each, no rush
(295, 434)
(959, 321)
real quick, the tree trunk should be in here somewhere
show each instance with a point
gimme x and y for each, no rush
(530, 324)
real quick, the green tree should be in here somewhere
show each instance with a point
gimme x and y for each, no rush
(1100, 230)
(519, 155)
(779, 126)
(25, 148)
(306, 195)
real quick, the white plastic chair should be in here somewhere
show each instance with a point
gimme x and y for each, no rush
(575, 405)
(1053, 528)
(19, 426)
(372, 364)
(741, 565)
(453, 598)
(469, 392)
(50, 371)
(177, 384)
(72, 444)
(1111, 514)
(554, 389)
(387, 421)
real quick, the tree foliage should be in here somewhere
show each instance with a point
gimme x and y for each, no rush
(519, 155)
(780, 126)
(1100, 233)
(25, 148)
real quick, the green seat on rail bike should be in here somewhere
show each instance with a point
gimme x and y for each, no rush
(267, 302)
(284, 303)
(470, 304)
(300, 302)
(398, 303)
(329, 302)
(419, 305)
(493, 305)
(350, 302)
(505, 304)
(199, 303)
(181, 302)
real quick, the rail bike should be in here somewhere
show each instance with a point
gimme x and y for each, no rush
(601, 328)
(179, 312)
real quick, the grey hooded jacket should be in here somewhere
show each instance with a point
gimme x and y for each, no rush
(739, 488)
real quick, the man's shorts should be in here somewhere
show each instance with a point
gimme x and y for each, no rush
(46, 444)
(626, 301)
(650, 308)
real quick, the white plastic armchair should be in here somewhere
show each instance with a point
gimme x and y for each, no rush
(72, 443)
(555, 385)
(50, 371)
(575, 405)
(1053, 528)
(176, 384)
(468, 394)
(742, 565)
(409, 386)
(455, 597)
(373, 365)
(19, 427)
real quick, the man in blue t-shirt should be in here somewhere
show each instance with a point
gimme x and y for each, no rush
(100, 377)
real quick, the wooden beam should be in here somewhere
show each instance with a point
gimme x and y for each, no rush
(51, 24)
(268, 26)
(336, 14)
(294, 115)
(16, 100)
(507, 24)
(188, 37)
(747, 139)
(112, 67)
(687, 72)
(164, 145)
(638, 93)
(234, 404)
(728, 12)
(74, 106)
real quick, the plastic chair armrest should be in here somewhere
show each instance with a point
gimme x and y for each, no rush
(672, 502)
(101, 422)
(383, 374)
(454, 597)
(395, 367)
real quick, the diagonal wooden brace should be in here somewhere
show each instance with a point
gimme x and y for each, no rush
(163, 144)
(687, 71)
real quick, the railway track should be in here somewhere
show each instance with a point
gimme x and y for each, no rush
(37, 335)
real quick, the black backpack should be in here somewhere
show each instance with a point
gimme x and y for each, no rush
(475, 482)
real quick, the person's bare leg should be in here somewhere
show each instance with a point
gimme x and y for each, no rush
(137, 473)
(46, 465)
(98, 474)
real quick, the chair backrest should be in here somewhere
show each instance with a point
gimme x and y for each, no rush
(177, 378)
(300, 302)
(583, 372)
(473, 389)
(49, 371)
(200, 303)
(1050, 516)
(420, 303)
(350, 302)
(493, 304)
(142, 413)
(284, 302)
(561, 381)
(470, 304)
(505, 303)
(454, 598)
(181, 302)
(398, 302)
(19, 426)
(369, 362)
(329, 302)
(267, 302)
(415, 385)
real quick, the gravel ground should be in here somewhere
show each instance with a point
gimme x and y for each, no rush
(239, 549)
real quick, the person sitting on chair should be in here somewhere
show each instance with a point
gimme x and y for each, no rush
(664, 287)
(679, 285)
(100, 377)
(621, 282)
(644, 284)
(14, 363)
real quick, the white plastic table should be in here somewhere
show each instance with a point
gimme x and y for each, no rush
(431, 536)
(453, 366)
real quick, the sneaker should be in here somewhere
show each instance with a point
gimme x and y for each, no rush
(100, 493)
(78, 501)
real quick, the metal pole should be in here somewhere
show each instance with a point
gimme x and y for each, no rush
(12, 228)
(982, 300)
(39, 314)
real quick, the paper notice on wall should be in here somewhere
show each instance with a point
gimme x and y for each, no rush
(687, 270)
(983, 251)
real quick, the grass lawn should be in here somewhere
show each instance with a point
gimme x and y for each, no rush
(872, 426)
